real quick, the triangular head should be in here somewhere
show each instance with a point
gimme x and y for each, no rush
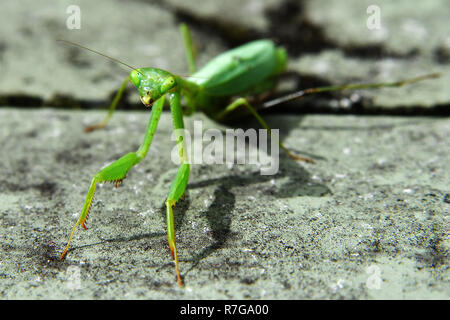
(152, 83)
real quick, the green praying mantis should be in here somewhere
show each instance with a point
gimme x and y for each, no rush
(218, 89)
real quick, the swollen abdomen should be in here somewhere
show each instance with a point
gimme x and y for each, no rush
(239, 69)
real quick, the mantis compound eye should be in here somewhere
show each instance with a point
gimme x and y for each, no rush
(147, 100)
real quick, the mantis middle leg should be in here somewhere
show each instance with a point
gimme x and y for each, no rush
(243, 102)
(179, 184)
(111, 110)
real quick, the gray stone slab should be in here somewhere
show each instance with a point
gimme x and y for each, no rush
(368, 220)
(326, 40)
(410, 41)
(34, 63)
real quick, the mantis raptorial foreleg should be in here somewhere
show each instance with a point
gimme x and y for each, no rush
(117, 171)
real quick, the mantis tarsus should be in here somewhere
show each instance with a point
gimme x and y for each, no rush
(251, 69)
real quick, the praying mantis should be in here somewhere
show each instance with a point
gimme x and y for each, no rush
(218, 89)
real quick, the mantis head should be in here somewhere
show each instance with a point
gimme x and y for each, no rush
(152, 83)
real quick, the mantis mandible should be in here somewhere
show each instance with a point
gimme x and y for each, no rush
(218, 89)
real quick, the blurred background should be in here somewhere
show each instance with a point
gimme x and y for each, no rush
(327, 42)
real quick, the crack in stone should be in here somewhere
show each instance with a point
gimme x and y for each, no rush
(283, 19)
(320, 105)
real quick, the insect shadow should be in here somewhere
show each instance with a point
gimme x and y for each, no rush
(102, 240)
(286, 125)
(220, 213)
(219, 216)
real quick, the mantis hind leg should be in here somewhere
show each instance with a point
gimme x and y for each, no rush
(243, 102)
(111, 110)
(300, 94)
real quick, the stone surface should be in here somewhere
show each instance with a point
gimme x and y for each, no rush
(327, 41)
(369, 220)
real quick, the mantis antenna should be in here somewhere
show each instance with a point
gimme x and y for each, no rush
(99, 53)
(111, 58)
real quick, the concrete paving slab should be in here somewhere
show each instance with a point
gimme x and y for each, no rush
(368, 220)
(328, 42)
